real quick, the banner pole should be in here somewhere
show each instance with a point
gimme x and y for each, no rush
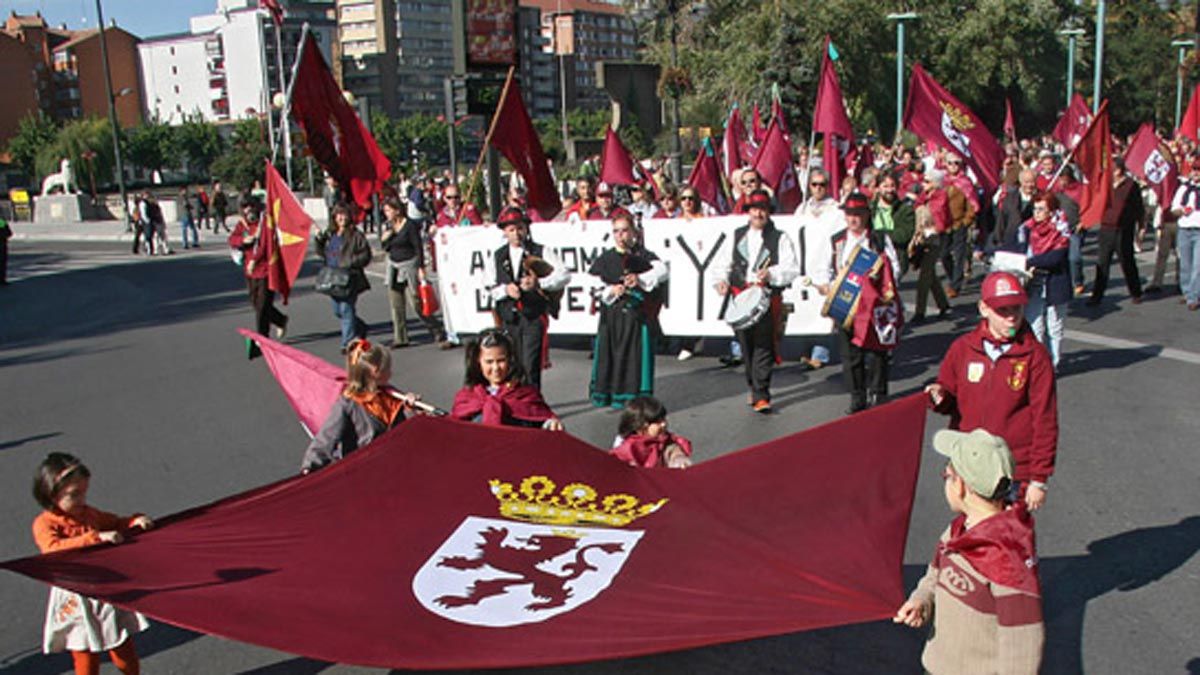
(487, 141)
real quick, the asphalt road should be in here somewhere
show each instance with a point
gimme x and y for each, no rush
(133, 364)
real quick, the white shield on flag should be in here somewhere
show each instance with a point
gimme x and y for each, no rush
(960, 142)
(1156, 167)
(493, 572)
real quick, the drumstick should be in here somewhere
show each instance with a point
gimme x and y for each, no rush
(424, 407)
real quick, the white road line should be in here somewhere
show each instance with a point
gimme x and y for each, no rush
(1118, 343)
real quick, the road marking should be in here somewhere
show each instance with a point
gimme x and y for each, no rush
(1118, 343)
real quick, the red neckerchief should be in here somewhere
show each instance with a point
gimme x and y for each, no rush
(1001, 548)
(1047, 235)
(647, 451)
(522, 402)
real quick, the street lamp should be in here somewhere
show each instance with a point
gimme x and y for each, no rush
(112, 118)
(1183, 46)
(676, 147)
(1072, 34)
(900, 19)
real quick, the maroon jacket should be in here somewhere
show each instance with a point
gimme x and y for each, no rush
(254, 254)
(1015, 398)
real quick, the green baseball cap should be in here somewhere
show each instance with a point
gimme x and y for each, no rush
(982, 459)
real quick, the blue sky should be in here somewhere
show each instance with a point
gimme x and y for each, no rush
(143, 18)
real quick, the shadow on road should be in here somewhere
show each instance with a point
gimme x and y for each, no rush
(18, 442)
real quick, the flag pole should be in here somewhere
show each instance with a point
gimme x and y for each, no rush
(291, 84)
(1071, 155)
(487, 141)
(284, 127)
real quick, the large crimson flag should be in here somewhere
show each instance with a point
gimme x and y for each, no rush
(514, 136)
(1073, 123)
(335, 136)
(616, 164)
(775, 166)
(706, 179)
(934, 114)
(288, 228)
(1094, 157)
(451, 545)
(1149, 158)
(1189, 125)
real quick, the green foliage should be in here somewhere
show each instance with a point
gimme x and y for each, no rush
(34, 132)
(153, 146)
(981, 50)
(200, 144)
(242, 162)
(426, 134)
(77, 137)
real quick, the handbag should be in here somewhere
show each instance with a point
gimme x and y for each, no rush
(429, 300)
(333, 281)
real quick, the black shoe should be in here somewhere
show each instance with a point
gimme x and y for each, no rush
(917, 319)
(945, 313)
(1153, 290)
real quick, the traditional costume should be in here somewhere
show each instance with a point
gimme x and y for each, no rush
(649, 451)
(509, 404)
(623, 363)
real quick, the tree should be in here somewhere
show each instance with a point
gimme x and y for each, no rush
(87, 143)
(424, 137)
(200, 144)
(153, 145)
(34, 132)
(242, 162)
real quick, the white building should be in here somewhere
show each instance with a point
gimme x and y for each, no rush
(225, 68)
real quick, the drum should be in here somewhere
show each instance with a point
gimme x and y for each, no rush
(842, 303)
(747, 307)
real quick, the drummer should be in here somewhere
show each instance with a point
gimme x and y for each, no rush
(761, 256)
(865, 371)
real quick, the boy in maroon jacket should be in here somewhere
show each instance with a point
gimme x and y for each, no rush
(1000, 378)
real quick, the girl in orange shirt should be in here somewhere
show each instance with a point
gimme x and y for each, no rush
(83, 626)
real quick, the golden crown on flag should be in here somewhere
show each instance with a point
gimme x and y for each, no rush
(960, 119)
(576, 504)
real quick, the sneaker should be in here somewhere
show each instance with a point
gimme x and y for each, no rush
(762, 407)
(684, 354)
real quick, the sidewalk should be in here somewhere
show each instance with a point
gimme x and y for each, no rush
(102, 230)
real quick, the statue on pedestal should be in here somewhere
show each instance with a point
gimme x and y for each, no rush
(64, 179)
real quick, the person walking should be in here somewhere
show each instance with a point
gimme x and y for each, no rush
(343, 246)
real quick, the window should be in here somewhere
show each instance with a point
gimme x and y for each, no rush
(172, 51)
(174, 70)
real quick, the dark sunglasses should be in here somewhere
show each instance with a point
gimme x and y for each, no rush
(818, 184)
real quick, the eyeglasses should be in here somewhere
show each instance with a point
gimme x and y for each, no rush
(814, 184)
(688, 198)
(751, 181)
(449, 197)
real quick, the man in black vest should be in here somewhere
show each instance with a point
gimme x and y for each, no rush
(865, 371)
(761, 256)
(528, 280)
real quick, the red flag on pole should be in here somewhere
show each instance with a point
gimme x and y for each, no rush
(514, 136)
(275, 9)
(934, 114)
(777, 108)
(1189, 124)
(1073, 123)
(775, 166)
(551, 551)
(336, 137)
(759, 131)
(310, 384)
(880, 316)
(733, 151)
(1094, 157)
(706, 179)
(1149, 158)
(1010, 125)
(288, 228)
(616, 164)
(830, 119)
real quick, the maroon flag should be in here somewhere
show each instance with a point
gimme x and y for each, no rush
(706, 179)
(1189, 125)
(775, 166)
(412, 553)
(514, 136)
(310, 384)
(759, 131)
(880, 316)
(830, 119)
(1074, 121)
(1010, 125)
(936, 115)
(288, 228)
(616, 164)
(1149, 158)
(777, 109)
(275, 9)
(733, 154)
(1094, 157)
(335, 136)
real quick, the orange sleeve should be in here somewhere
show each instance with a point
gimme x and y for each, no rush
(51, 535)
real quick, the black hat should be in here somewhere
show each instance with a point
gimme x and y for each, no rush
(856, 202)
(760, 199)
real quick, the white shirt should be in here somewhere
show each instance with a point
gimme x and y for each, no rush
(780, 275)
(1185, 199)
(555, 281)
(647, 281)
(826, 273)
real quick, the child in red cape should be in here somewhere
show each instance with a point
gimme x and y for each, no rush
(495, 391)
(643, 438)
